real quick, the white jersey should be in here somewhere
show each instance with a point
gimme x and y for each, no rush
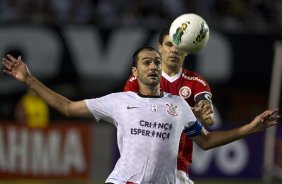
(148, 134)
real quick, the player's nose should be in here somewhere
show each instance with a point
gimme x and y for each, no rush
(175, 49)
(153, 65)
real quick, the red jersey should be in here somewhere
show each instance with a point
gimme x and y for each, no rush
(193, 88)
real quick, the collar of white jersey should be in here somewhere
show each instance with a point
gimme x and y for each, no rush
(171, 78)
(151, 96)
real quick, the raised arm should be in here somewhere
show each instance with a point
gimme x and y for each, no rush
(19, 70)
(207, 140)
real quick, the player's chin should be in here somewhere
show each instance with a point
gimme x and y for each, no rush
(154, 80)
(174, 62)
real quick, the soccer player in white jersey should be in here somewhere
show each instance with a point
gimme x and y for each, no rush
(149, 123)
(188, 84)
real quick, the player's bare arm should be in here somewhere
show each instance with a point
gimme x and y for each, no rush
(19, 70)
(203, 111)
(207, 140)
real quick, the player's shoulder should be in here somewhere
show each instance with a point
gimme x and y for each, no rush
(172, 96)
(193, 76)
(190, 73)
(120, 95)
(127, 94)
(132, 78)
(131, 84)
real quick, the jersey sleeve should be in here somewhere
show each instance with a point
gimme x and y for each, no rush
(103, 107)
(192, 127)
(202, 90)
(131, 84)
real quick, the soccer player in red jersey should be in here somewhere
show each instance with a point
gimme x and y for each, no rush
(190, 86)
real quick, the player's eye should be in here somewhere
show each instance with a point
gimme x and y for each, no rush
(146, 62)
(157, 62)
(169, 44)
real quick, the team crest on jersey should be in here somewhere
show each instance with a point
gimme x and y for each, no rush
(172, 109)
(185, 92)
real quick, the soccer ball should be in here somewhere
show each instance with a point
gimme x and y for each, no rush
(189, 32)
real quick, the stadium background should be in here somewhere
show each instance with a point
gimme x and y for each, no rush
(82, 49)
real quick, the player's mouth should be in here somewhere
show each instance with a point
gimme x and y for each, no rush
(174, 56)
(153, 75)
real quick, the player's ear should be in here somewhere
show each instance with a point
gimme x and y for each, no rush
(134, 71)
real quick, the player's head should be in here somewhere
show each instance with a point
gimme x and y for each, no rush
(147, 66)
(172, 58)
(138, 51)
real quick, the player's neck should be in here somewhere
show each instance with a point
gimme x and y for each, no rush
(172, 71)
(149, 91)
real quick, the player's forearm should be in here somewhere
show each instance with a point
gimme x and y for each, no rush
(52, 98)
(220, 138)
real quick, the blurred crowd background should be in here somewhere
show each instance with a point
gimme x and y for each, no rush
(239, 18)
(230, 15)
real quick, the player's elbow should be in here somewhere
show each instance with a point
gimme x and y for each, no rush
(67, 114)
(76, 109)
(67, 110)
(205, 146)
(204, 141)
(208, 144)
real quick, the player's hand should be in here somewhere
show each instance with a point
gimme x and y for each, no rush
(203, 111)
(15, 68)
(264, 120)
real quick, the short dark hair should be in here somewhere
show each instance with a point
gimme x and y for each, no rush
(136, 53)
(163, 33)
